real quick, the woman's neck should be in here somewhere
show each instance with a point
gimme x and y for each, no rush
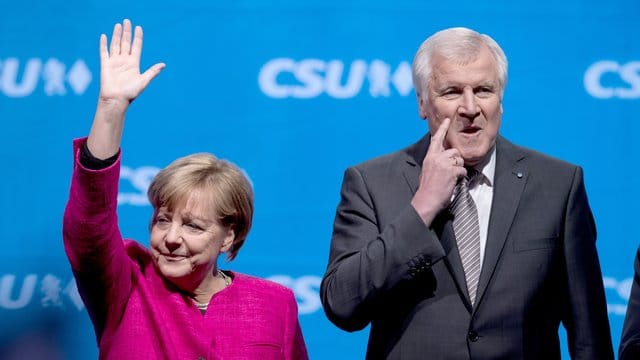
(213, 283)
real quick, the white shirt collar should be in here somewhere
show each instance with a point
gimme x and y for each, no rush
(488, 169)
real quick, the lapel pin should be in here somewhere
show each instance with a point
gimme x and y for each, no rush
(519, 175)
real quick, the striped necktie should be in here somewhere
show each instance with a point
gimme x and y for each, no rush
(466, 228)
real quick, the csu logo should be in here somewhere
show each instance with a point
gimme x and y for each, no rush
(139, 179)
(49, 290)
(287, 78)
(617, 304)
(306, 289)
(19, 79)
(610, 79)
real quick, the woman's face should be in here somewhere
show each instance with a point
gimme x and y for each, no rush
(186, 241)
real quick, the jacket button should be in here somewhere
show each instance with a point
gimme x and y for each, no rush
(473, 336)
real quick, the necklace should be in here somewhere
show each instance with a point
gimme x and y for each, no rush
(225, 277)
(227, 281)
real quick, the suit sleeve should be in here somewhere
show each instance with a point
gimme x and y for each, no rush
(630, 340)
(368, 259)
(586, 319)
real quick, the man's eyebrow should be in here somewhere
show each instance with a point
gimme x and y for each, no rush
(447, 86)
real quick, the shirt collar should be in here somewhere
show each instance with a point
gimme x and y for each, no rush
(488, 167)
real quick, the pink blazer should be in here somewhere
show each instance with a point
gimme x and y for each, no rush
(137, 315)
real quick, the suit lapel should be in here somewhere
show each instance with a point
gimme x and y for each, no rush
(452, 259)
(509, 181)
(415, 155)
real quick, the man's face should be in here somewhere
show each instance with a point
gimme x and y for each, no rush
(470, 96)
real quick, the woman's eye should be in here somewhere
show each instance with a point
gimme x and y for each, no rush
(162, 222)
(193, 227)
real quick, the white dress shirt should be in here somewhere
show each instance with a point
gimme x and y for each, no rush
(481, 190)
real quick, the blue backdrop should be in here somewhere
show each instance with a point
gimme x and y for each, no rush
(293, 92)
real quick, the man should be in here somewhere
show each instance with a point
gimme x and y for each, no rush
(630, 339)
(496, 286)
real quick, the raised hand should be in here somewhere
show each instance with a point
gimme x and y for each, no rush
(441, 169)
(120, 77)
(120, 83)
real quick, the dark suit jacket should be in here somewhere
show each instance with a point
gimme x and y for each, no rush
(630, 340)
(540, 267)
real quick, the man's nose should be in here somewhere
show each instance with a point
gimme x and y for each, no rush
(469, 106)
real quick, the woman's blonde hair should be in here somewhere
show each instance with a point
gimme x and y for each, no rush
(227, 184)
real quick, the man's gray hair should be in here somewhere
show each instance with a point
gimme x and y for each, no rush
(456, 44)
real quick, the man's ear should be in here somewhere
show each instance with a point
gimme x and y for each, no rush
(422, 108)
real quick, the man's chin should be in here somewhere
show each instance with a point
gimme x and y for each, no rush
(473, 152)
(473, 158)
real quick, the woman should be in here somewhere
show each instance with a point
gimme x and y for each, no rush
(172, 301)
